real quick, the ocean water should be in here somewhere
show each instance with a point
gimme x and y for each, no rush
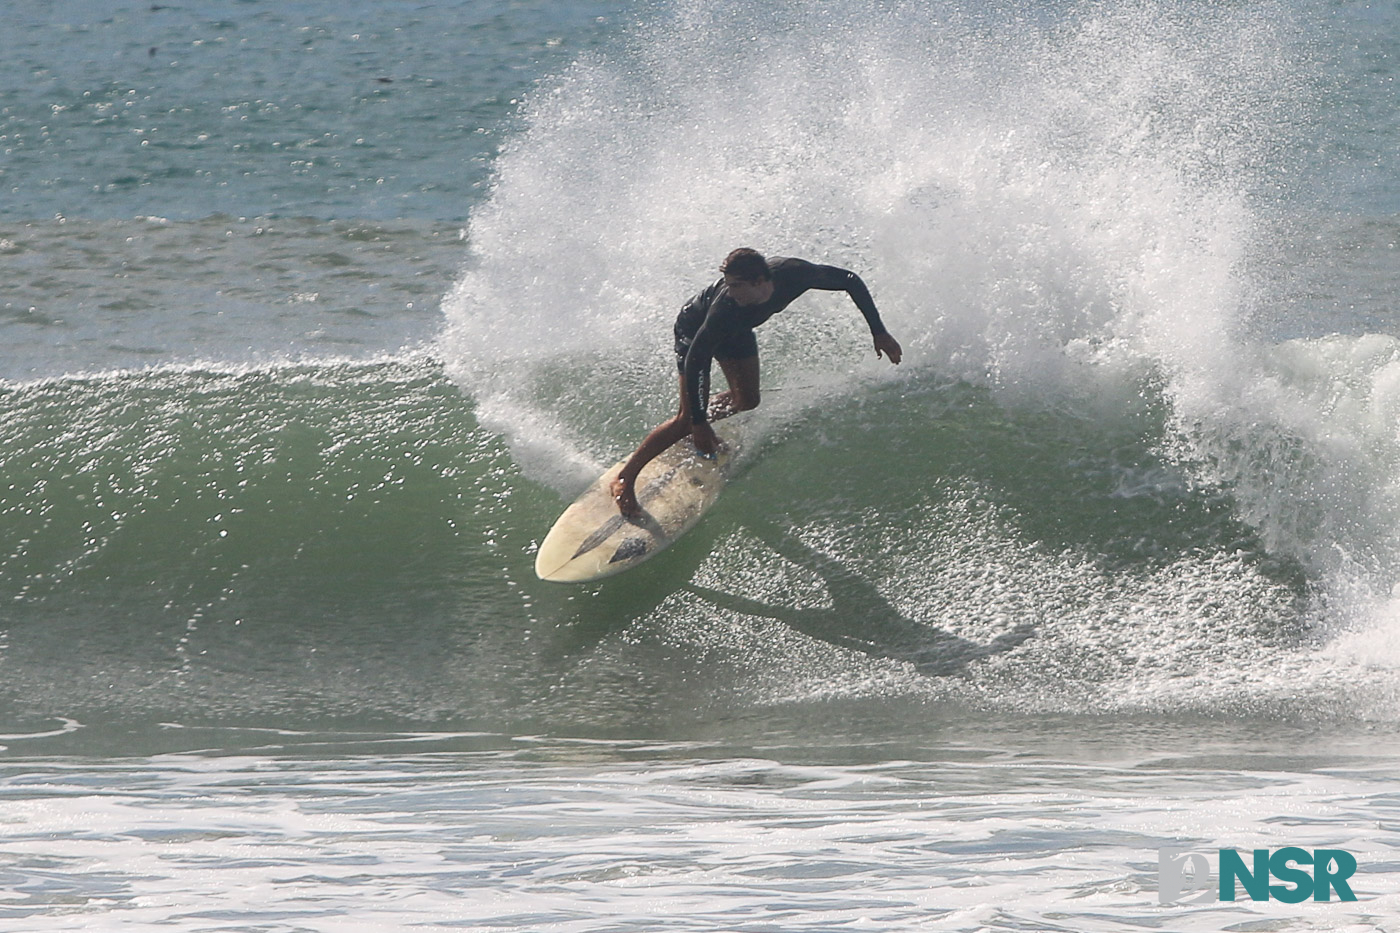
(316, 315)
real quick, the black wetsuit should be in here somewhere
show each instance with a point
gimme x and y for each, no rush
(713, 325)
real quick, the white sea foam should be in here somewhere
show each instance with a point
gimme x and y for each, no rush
(580, 839)
(1030, 201)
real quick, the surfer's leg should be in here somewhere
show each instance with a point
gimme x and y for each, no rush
(743, 394)
(663, 436)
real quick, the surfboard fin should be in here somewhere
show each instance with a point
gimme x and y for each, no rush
(630, 548)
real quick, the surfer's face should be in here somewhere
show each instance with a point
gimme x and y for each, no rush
(747, 291)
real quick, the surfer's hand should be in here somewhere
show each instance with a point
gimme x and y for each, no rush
(703, 436)
(889, 346)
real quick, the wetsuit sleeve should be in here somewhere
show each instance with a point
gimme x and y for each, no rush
(834, 279)
(697, 364)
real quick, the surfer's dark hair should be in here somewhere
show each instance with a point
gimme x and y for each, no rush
(746, 264)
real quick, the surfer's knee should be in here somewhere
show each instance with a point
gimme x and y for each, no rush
(746, 399)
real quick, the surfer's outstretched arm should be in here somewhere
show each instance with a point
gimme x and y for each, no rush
(836, 279)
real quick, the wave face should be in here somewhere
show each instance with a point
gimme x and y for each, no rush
(342, 543)
(226, 543)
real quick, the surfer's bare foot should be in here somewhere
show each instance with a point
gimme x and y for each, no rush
(626, 498)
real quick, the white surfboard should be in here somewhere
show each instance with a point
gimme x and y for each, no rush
(592, 540)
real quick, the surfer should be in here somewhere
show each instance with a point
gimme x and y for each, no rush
(718, 324)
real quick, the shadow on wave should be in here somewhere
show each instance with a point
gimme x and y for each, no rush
(860, 618)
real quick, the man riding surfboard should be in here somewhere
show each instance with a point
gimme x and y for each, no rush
(718, 324)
